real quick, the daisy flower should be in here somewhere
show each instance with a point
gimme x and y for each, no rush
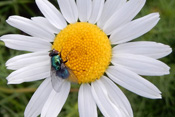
(88, 41)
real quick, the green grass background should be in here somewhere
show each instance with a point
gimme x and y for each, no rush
(14, 98)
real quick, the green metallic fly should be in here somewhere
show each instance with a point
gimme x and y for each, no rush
(59, 71)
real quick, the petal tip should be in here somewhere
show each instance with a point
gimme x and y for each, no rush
(13, 82)
(169, 49)
(9, 82)
(159, 96)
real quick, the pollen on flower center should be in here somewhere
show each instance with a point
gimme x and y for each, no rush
(87, 49)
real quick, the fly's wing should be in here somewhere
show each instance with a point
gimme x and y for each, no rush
(56, 81)
(72, 76)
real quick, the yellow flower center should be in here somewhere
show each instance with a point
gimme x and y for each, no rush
(87, 49)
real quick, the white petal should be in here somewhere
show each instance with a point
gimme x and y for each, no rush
(86, 103)
(38, 99)
(51, 13)
(24, 56)
(69, 10)
(134, 29)
(150, 49)
(26, 43)
(26, 61)
(55, 102)
(30, 27)
(117, 96)
(97, 8)
(110, 7)
(30, 73)
(84, 9)
(133, 82)
(105, 104)
(45, 24)
(124, 15)
(141, 64)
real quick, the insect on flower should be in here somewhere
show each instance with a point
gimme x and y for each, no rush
(59, 71)
(98, 54)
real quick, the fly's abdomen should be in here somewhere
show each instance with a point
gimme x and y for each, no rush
(63, 73)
